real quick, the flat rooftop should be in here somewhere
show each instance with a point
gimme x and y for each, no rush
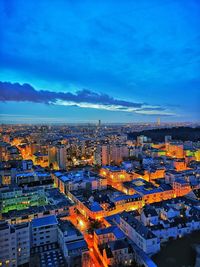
(143, 187)
(78, 245)
(44, 221)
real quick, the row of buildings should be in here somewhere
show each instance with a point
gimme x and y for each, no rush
(35, 240)
(121, 202)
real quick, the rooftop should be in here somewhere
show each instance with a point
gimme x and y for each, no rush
(44, 221)
(127, 197)
(111, 229)
(113, 168)
(143, 187)
(77, 245)
(95, 206)
(139, 227)
(67, 226)
(76, 176)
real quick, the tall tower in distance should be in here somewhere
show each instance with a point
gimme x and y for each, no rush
(99, 123)
(158, 122)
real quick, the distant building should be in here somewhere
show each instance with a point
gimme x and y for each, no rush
(168, 138)
(97, 156)
(141, 139)
(52, 155)
(175, 150)
(114, 154)
(69, 181)
(62, 157)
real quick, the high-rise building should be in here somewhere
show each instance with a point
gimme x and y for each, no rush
(14, 244)
(22, 233)
(52, 153)
(158, 122)
(105, 155)
(113, 154)
(44, 231)
(62, 157)
(141, 139)
(168, 138)
(97, 156)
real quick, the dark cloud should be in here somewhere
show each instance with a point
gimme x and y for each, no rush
(25, 92)
(83, 98)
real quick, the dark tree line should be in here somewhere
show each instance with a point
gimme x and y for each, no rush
(177, 133)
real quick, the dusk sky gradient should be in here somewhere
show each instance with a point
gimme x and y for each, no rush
(118, 61)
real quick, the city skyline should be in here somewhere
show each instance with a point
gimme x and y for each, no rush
(84, 61)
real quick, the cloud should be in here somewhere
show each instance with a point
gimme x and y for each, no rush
(82, 98)
(155, 113)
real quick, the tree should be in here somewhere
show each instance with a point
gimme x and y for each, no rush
(51, 166)
(95, 224)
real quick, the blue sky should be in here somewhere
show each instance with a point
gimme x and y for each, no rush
(118, 61)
